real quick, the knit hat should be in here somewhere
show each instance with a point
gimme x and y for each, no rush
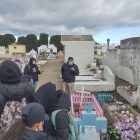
(9, 72)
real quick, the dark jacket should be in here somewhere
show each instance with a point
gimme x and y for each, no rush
(15, 92)
(47, 96)
(62, 120)
(29, 70)
(53, 100)
(32, 135)
(67, 74)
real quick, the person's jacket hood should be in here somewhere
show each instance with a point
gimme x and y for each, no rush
(9, 72)
(15, 92)
(47, 96)
(31, 61)
(32, 135)
(63, 100)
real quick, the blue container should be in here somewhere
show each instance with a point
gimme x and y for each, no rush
(103, 97)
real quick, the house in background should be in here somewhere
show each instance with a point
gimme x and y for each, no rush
(97, 49)
(42, 48)
(80, 47)
(52, 48)
(2, 50)
(16, 49)
(4, 53)
(32, 53)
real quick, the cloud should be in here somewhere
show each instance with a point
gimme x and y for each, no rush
(67, 17)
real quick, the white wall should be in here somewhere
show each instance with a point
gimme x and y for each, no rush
(130, 73)
(111, 60)
(108, 75)
(81, 51)
(42, 48)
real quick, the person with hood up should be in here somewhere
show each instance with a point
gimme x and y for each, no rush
(14, 94)
(30, 127)
(31, 71)
(53, 100)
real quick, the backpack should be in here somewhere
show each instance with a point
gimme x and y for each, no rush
(11, 113)
(73, 130)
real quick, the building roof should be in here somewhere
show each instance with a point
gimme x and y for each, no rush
(77, 38)
(96, 43)
(132, 39)
(32, 51)
(132, 43)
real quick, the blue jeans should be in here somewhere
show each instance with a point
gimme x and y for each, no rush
(34, 84)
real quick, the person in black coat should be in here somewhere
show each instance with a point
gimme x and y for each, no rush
(12, 89)
(53, 100)
(69, 70)
(31, 71)
(11, 86)
(62, 120)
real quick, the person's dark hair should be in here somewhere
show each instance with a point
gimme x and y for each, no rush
(15, 132)
(31, 60)
(70, 58)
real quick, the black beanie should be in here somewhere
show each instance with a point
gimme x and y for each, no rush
(9, 72)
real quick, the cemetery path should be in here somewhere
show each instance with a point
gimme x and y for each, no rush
(52, 72)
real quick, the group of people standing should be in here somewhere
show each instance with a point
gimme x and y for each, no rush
(25, 113)
(69, 71)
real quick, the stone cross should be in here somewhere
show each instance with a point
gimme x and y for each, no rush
(89, 107)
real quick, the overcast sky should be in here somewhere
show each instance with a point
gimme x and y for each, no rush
(114, 19)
